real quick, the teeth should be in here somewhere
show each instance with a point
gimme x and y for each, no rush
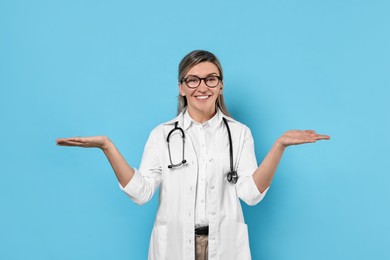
(202, 97)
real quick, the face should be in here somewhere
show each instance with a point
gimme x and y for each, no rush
(201, 100)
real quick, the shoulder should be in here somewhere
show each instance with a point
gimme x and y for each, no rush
(239, 131)
(233, 123)
(163, 129)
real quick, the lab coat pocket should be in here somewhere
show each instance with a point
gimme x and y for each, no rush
(242, 243)
(158, 243)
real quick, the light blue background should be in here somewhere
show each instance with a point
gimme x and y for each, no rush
(109, 67)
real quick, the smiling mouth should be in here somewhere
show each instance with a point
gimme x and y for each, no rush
(202, 97)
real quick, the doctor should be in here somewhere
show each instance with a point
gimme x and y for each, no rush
(204, 162)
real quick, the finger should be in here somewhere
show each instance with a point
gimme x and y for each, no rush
(69, 143)
(66, 144)
(76, 139)
(322, 137)
(313, 138)
(309, 131)
(61, 141)
(58, 140)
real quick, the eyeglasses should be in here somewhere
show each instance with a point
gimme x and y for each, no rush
(194, 81)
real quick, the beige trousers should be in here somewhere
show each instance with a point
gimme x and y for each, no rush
(201, 247)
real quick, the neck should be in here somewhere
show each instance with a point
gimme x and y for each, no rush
(201, 116)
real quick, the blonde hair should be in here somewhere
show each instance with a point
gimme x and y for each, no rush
(190, 60)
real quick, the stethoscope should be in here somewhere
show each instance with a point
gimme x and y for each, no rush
(232, 176)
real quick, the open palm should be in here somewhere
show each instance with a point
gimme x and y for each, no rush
(295, 137)
(86, 142)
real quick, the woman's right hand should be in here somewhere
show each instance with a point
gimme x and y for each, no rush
(101, 142)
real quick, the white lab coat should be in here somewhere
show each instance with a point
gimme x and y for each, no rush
(173, 232)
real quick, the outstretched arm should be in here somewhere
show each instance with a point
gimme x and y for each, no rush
(122, 170)
(264, 174)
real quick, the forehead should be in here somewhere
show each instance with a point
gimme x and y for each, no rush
(203, 69)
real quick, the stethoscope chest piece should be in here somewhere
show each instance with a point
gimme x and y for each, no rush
(232, 177)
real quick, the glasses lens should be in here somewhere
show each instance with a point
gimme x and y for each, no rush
(192, 82)
(212, 81)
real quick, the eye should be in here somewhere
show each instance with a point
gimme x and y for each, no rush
(212, 79)
(191, 80)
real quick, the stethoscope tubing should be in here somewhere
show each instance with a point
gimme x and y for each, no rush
(232, 176)
(183, 161)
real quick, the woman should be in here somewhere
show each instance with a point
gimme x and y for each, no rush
(204, 162)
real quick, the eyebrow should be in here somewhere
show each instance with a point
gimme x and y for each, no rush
(210, 74)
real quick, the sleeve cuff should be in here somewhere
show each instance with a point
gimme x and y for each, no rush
(255, 194)
(133, 187)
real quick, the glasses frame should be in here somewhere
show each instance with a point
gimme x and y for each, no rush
(200, 81)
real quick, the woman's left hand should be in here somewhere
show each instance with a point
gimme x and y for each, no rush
(295, 137)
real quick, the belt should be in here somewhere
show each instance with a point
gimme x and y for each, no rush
(202, 231)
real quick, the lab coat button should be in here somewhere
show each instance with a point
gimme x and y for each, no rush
(212, 213)
(211, 160)
(212, 187)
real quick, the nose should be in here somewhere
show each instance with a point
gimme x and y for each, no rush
(202, 86)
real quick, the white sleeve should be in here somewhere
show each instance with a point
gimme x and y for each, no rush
(146, 180)
(247, 165)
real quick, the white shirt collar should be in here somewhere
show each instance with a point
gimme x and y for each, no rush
(213, 122)
(180, 119)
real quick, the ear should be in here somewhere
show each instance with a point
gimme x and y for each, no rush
(221, 88)
(181, 91)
